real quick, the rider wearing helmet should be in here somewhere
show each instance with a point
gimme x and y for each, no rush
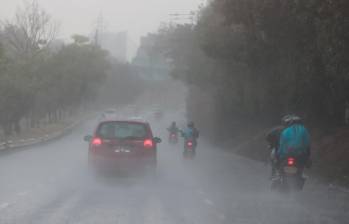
(191, 132)
(173, 129)
(294, 140)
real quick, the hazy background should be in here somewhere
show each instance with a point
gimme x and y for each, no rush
(235, 71)
(137, 17)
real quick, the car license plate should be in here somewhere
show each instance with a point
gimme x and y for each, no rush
(122, 150)
(290, 170)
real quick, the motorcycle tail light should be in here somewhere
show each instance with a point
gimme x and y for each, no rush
(290, 161)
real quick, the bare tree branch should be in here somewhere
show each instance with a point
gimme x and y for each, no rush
(31, 31)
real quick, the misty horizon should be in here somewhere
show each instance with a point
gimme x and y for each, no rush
(135, 17)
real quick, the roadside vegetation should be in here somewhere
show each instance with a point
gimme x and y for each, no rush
(43, 79)
(249, 62)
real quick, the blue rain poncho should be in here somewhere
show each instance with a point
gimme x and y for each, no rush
(294, 141)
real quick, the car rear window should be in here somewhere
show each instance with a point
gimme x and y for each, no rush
(120, 130)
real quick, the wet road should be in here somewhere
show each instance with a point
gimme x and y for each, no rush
(50, 184)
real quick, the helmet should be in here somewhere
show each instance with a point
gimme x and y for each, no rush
(285, 119)
(290, 119)
(190, 124)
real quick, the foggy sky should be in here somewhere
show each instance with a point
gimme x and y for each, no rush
(80, 16)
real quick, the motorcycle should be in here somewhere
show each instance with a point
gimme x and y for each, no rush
(189, 149)
(289, 177)
(173, 138)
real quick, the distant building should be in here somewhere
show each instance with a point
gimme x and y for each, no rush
(150, 64)
(115, 43)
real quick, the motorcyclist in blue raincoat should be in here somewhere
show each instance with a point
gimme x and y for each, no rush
(190, 133)
(294, 141)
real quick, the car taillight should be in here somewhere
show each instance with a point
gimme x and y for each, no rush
(290, 161)
(96, 142)
(190, 144)
(148, 143)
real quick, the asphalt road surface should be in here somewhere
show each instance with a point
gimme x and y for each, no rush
(50, 184)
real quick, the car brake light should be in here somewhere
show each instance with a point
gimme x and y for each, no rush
(97, 142)
(290, 161)
(148, 143)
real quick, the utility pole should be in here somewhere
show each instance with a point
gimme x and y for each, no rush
(99, 30)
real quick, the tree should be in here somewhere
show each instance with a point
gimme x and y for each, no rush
(254, 61)
(80, 39)
(31, 31)
(37, 82)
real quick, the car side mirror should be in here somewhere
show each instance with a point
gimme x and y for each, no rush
(157, 140)
(87, 138)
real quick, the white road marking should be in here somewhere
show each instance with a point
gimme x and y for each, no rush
(4, 206)
(208, 202)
